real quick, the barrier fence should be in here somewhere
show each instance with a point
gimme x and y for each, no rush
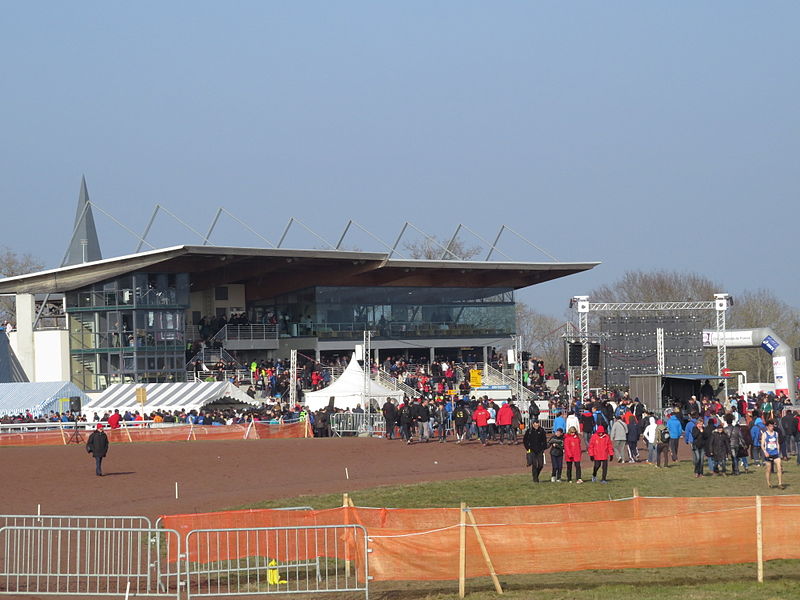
(87, 561)
(276, 560)
(343, 424)
(342, 549)
(58, 434)
(630, 533)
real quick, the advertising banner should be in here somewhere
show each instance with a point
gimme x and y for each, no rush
(769, 344)
(736, 338)
(781, 375)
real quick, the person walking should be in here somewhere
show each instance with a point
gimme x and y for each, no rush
(461, 418)
(572, 454)
(600, 451)
(504, 418)
(675, 428)
(771, 447)
(650, 437)
(662, 438)
(535, 443)
(556, 445)
(97, 445)
(481, 417)
(699, 441)
(619, 437)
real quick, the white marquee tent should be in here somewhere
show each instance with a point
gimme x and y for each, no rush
(166, 396)
(348, 390)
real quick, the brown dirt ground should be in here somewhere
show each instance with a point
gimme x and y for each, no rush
(217, 475)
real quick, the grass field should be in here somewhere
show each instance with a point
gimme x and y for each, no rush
(518, 490)
(729, 582)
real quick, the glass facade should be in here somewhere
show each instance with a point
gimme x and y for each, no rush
(129, 329)
(402, 312)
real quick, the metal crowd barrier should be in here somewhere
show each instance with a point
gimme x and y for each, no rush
(344, 424)
(113, 557)
(103, 522)
(88, 561)
(357, 423)
(276, 560)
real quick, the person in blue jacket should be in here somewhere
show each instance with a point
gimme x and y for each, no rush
(688, 433)
(559, 422)
(756, 430)
(675, 428)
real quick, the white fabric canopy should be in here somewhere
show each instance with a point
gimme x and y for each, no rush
(348, 390)
(165, 396)
(39, 398)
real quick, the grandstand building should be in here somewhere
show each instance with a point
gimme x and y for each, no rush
(140, 317)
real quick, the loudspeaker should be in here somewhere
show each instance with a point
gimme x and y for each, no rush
(594, 355)
(574, 355)
(75, 404)
(796, 353)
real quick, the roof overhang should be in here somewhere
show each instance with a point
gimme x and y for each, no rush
(267, 272)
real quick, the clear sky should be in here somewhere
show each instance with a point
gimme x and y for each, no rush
(646, 135)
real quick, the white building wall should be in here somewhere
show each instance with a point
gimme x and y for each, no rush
(52, 355)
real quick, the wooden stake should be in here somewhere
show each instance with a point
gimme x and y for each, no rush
(128, 431)
(462, 551)
(487, 559)
(759, 541)
(63, 437)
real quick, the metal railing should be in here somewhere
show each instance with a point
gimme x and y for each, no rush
(209, 356)
(276, 560)
(246, 332)
(358, 424)
(104, 522)
(89, 561)
(393, 383)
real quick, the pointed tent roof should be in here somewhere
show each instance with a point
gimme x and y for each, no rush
(348, 390)
(11, 370)
(84, 230)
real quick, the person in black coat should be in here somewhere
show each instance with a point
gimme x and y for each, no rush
(535, 442)
(97, 445)
(390, 416)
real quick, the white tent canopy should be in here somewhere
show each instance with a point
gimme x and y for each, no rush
(348, 390)
(39, 398)
(165, 396)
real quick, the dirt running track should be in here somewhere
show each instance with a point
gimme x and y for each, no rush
(215, 475)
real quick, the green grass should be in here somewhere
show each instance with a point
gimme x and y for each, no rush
(518, 490)
(727, 582)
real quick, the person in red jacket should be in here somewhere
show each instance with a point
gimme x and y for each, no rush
(504, 417)
(600, 451)
(481, 417)
(572, 454)
(114, 420)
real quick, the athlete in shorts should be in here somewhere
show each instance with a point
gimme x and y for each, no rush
(771, 447)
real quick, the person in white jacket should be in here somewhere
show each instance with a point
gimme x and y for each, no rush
(650, 437)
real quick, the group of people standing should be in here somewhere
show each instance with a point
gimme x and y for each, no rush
(567, 448)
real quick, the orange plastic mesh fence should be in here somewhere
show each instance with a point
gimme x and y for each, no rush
(134, 433)
(631, 533)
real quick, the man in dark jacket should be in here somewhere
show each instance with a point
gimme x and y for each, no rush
(97, 445)
(389, 411)
(699, 441)
(719, 449)
(406, 419)
(535, 442)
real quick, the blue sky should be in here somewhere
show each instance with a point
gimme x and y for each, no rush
(646, 135)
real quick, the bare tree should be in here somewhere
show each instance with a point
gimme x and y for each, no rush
(12, 264)
(541, 335)
(434, 249)
(657, 286)
(761, 308)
